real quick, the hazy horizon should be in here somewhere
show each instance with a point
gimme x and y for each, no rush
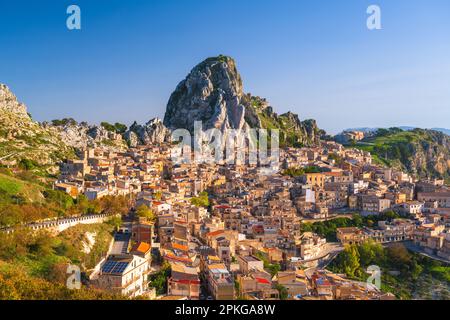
(318, 59)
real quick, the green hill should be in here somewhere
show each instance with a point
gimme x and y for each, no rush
(14, 189)
(423, 153)
(293, 132)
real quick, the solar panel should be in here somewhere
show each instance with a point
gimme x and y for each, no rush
(108, 266)
(120, 267)
(112, 266)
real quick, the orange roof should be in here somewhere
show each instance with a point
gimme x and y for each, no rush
(180, 247)
(143, 247)
(334, 174)
(214, 233)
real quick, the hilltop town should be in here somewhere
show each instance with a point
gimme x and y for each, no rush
(224, 232)
(309, 226)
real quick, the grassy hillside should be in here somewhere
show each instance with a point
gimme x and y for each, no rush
(13, 187)
(27, 197)
(293, 132)
(34, 265)
(423, 153)
(75, 243)
(33, 142)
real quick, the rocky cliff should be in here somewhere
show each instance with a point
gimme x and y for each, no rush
(10, 106)
(82, 135)
(213, 93)
(423, 153)
(154, 131)
(46, 143)
(427, 154)
(23, 138)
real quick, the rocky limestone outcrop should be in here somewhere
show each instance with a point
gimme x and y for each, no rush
(420, 152)
(429, 156)
(82, 135)
(154, 131)
(131, 138)
(9, 103)
(213, 93)
(23, 138)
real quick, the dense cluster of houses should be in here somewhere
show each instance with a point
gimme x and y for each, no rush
(228, 249)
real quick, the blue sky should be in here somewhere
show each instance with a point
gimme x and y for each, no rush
(316, 58)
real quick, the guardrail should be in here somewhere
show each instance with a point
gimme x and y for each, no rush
(60, 225)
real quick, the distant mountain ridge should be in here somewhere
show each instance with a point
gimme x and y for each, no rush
(406, 128)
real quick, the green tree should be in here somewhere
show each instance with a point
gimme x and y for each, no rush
(27, 164)
(274, 269)
(120, 127)
(284, 294)
(159, 279)
(399, 255)
(82, 203)
(115, 221)
(294, 172)
(145, 212)
(202, 200)
(108, 126)
(64, 200)
(349, 261)
(369, 253)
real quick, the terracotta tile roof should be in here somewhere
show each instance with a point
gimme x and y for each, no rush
(214, 233)
(180, 247)
(143, 247)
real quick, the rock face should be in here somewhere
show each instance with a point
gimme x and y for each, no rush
(82, 135)
(423, 153)
(46, 143)
(23, 138)
(9, 103)
(154, 131)
(131, 138)
(429, 156)
(213, 93)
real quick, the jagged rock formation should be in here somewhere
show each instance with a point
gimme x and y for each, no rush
(154, 131)
(293, 132)
(131, 138)
(10, 105)
(82, 135)
(213, 93)
(46, 143)
(428, 155)
(23, 138)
